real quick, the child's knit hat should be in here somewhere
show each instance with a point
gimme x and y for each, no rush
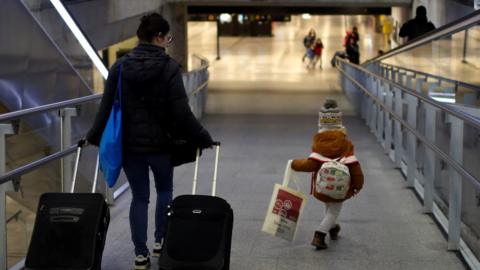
(330, 117)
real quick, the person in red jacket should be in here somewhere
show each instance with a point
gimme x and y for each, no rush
(318, 52)
(351, 34)
(330, 142)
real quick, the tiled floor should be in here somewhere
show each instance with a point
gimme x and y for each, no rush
(382, 228)
(265, 75)
(255, 92)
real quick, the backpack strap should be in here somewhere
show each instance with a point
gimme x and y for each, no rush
(313, 181)
(318, 157)
(344, 160)
(348, 160)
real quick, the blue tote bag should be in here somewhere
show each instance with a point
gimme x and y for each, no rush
(110, 150)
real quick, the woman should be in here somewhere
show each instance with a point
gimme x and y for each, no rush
(308, 40)
(153, 101)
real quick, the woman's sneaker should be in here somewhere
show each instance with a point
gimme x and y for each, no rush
(142, 262)
(157, 249)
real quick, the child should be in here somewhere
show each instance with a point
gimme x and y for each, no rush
(318, 52)
(330, 143)
(311, 56)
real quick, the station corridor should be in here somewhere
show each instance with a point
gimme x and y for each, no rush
(265, 75)
(419, 206)
(268, 115)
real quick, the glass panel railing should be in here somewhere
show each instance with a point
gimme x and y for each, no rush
(435, 145)
(444, 58)
(36, 137)
(442, 64)
(37, 134)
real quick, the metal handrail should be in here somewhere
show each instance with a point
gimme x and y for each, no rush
(457, 113)
(198, 89)
(456, 165)
(49, 107)
(202, 67)
(14, 216)
(441, 32)
(15, 173)
(440, 78)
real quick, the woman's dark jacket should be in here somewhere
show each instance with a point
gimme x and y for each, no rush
(154, 103)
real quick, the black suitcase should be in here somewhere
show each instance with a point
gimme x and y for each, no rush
(199, 230)
(70, 229)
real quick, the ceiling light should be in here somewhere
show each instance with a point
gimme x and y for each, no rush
(80, 37)
(306, 16)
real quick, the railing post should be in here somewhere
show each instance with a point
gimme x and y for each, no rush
(382, 71)
(455, 198)
(401, 78)
(373, 108)
(388, 120)
(364, 108)
(393, 75)
(66, 115)
(378, 68)
(5, 129)
(368, 109)
(409, 81)
(419, 84)
(430, 164)
(380, 122)
(432, 86)
(398, 128)
(412, 140)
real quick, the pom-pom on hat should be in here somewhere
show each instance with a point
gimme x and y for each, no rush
(330, 117)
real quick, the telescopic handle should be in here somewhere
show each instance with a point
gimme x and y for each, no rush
(215, 170)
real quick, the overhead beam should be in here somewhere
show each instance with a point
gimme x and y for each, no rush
(301, 3)
(324, 10)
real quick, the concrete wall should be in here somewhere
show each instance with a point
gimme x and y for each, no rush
(441, 12)
(107, 22)
(436, 12)
(399, 15)
(457, 10)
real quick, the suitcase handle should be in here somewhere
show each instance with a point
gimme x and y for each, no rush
(82, 143)
(215, 170)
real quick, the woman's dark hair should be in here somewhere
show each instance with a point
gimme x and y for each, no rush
(152, 25)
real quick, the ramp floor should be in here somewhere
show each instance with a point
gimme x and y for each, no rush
(382, 228)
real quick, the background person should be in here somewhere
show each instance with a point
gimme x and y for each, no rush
(351, 34)
(353, 51)
(308, 41)
(318, 49)
(417, 26)
(387, 27)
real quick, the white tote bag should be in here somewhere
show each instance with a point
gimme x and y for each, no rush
(285, 209)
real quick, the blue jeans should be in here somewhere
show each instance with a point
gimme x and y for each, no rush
(136, 167)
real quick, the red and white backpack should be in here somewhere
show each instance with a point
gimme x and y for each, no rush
(333, 179)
